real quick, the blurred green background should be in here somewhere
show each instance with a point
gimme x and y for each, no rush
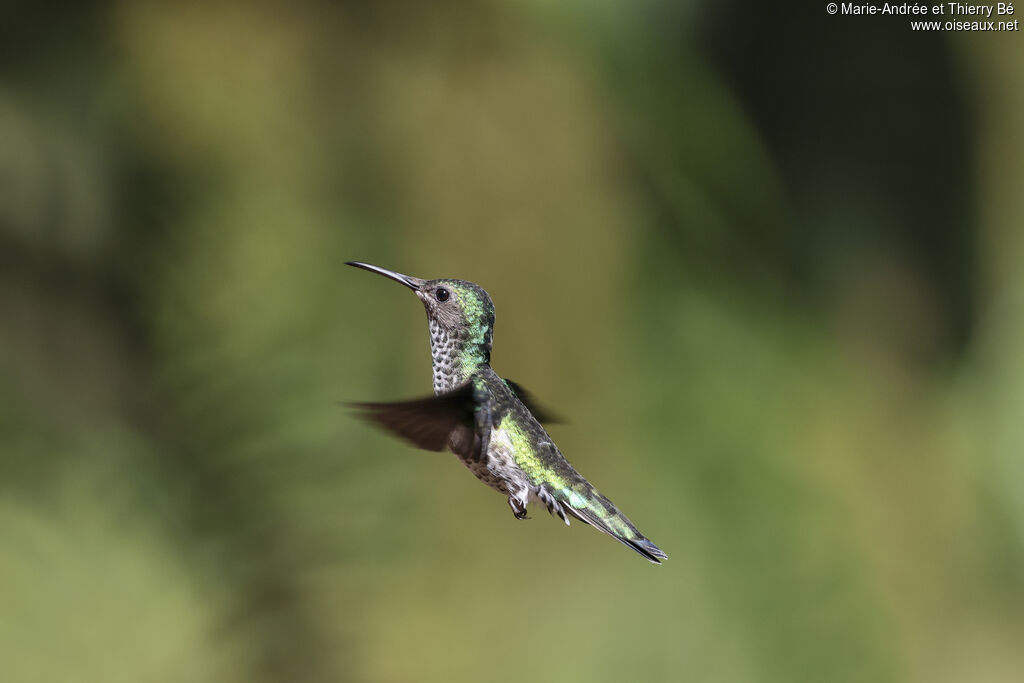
(767, 262)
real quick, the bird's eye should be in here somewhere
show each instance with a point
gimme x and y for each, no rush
(442, 294)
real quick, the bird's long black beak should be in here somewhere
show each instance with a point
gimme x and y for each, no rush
(413, 283)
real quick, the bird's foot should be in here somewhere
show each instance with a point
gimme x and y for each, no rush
(518, 508)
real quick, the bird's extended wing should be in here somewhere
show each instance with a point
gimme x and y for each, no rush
(526, 398)
(427, 423)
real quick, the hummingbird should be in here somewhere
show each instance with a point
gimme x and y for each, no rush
(491, 424)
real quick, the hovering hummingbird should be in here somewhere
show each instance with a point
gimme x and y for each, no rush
(491, 424)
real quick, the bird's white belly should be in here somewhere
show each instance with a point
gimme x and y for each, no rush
(499, 470)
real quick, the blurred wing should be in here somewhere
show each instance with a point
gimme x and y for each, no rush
(428, 423)
(527, 399)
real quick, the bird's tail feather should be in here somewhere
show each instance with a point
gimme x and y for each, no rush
(627, 535)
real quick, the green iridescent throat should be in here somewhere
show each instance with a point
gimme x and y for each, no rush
(472, 356)
(460, 352)
(476, 350)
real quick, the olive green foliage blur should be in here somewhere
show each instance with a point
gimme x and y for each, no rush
(770, 275)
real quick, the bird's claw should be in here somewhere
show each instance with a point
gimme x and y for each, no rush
(518, 508)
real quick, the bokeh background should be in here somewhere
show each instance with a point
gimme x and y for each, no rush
(768, 263)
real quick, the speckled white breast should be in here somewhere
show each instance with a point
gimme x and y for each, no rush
(442, 355)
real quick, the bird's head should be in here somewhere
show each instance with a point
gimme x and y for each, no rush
(457, 309)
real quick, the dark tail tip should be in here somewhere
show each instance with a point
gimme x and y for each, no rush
(651, 552)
